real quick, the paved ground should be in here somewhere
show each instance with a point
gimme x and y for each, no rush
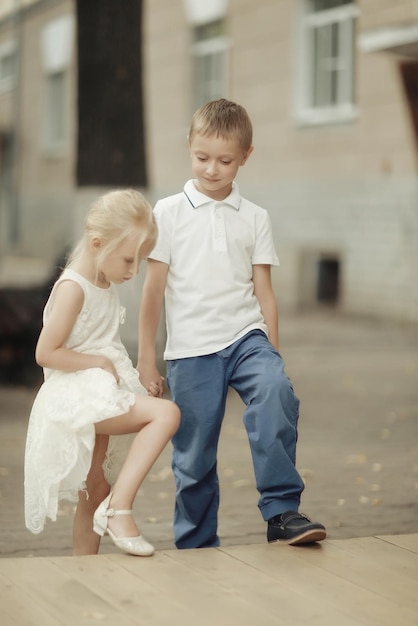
(358, 444)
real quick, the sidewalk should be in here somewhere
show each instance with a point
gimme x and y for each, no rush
(358, 444)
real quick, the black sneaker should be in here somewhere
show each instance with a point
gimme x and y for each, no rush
(294, 528)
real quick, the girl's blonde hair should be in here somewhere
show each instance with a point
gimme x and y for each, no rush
(223, 118)
(114, 217)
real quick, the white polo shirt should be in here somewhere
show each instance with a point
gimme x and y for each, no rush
(210, 248)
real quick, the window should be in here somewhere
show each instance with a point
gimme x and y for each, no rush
(56, 54)
(210, 62)
(328, 280)
(55, 110)
(7, 66)
(111, 141)
(326, 88)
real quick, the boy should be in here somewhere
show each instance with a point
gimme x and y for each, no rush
(212, 263)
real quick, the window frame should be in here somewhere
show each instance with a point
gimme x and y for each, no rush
(57, 39)
(55, 143)
(8, 82)
(208, 48)
(346, 109)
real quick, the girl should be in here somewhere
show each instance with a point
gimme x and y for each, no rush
(91, 389)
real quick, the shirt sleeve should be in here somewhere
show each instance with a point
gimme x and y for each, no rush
(264, 251)
(161, 251)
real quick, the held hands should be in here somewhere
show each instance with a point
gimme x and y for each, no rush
(152, 381)
(155, 389)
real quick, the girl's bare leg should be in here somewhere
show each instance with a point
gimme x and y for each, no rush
(156, 420)
(85, 540)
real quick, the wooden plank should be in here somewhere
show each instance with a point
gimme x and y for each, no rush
(207, 601)
(386, 576)
(387, 556)
(279, 599)
(45, 587)
(354, 582)
(135, 587)
(377, 566)
(17, 609)
(334, 579)
(409, 542)
(127, 591)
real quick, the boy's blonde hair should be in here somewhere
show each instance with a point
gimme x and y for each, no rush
(225, 119)
(114, 217)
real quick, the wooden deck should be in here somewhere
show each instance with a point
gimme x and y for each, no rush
(344, 582)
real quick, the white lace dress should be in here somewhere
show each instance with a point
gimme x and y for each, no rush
(61, 434)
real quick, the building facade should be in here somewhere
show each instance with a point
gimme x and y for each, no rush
(331, 87)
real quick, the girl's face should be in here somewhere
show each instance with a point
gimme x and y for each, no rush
(215, 163)
(122, 263)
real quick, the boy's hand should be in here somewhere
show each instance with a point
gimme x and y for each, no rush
(156, 390)
(153, 382)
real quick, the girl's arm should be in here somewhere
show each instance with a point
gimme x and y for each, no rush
(264, 293)
(50, 350)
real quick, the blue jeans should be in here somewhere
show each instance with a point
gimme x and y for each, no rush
(199, 386)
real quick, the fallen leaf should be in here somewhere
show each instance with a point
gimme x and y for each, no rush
(163, 474)
(94, 615)
(306, 473)
(356, 459)
(241, 483)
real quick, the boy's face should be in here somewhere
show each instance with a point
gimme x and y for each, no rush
(215, 163)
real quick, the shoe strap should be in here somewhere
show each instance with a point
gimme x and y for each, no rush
(113, 512)
(292, 515)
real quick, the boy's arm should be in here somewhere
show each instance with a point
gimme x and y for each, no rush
(149, 317)
(263, 290)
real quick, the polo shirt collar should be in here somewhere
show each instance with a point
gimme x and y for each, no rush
(198, 199)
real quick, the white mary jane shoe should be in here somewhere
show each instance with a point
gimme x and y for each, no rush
(138, 546)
